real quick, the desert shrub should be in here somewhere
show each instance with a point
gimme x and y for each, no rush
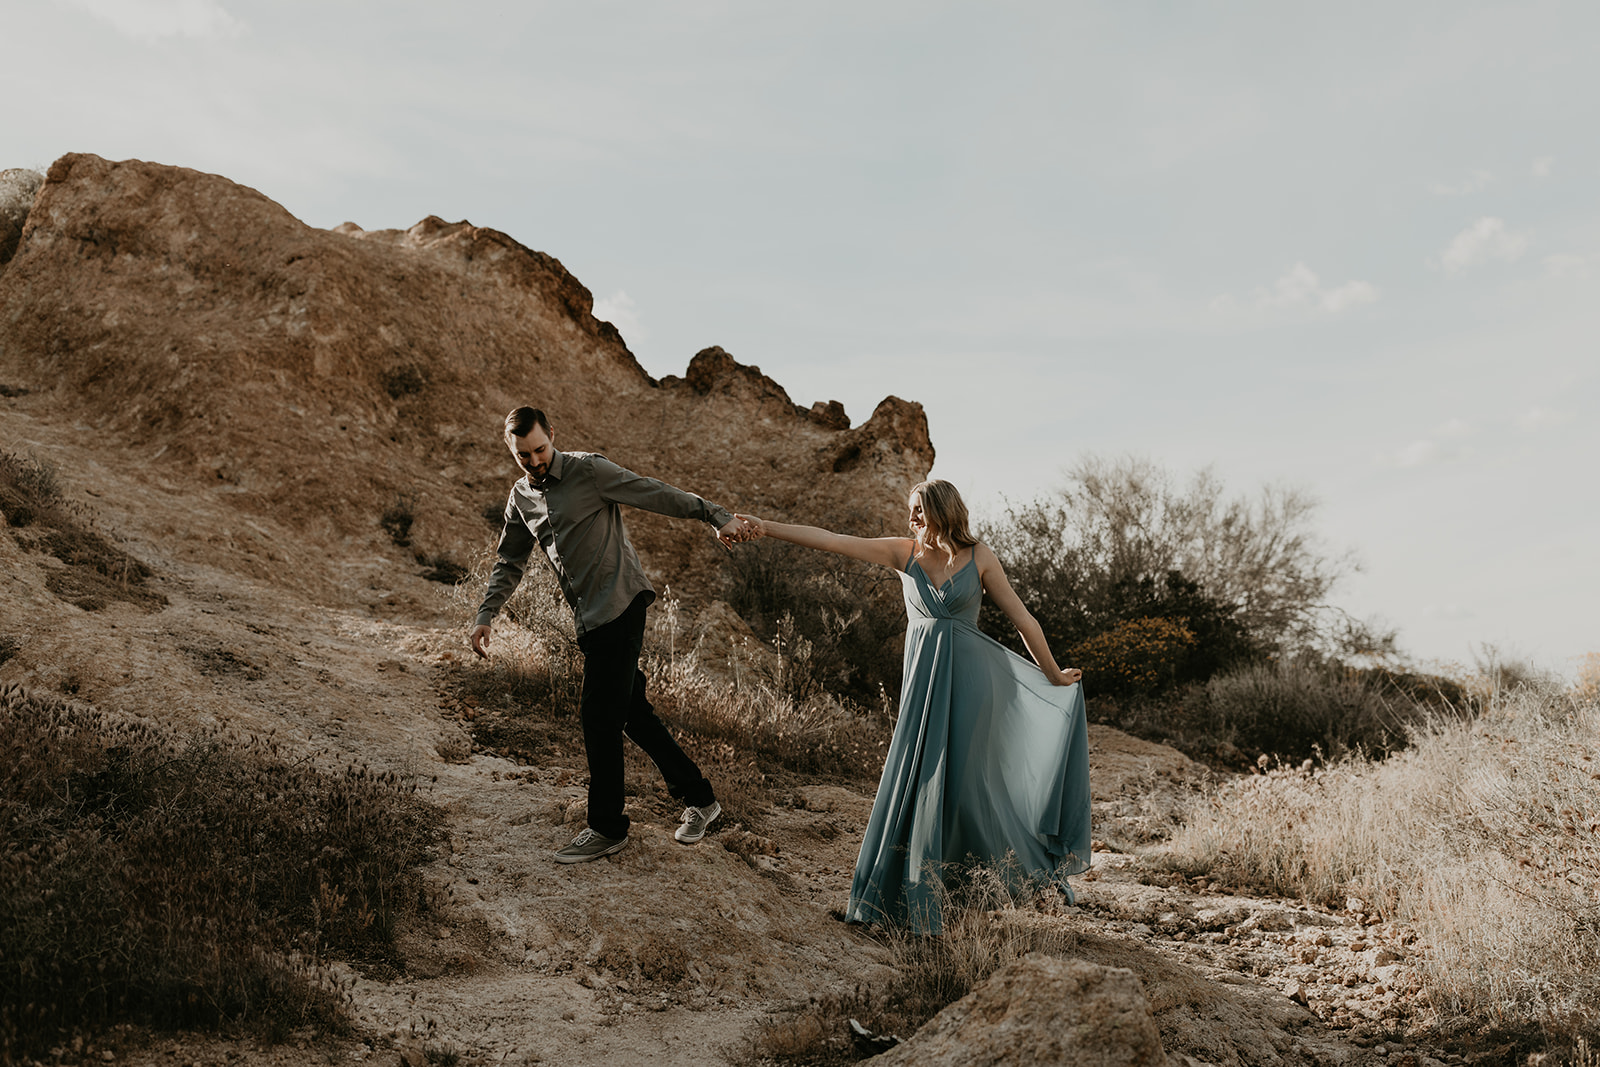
(1297, 708)
(1483, 835)
(841, 620)
(1137, 656)
(44, 521)
(398, 518)
(404, 380)
(1124, 541)
(442, 569)
(196, 881)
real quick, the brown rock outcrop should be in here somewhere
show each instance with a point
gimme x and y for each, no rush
(17, 190)
(1041, 1009)
(320, 376)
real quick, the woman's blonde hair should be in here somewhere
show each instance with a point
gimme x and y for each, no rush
(944, 515)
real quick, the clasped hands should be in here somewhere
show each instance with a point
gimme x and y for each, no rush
(742, 528)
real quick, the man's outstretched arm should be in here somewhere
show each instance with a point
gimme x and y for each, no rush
(618, 485)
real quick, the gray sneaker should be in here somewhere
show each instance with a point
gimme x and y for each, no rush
(695, 822)
(590, 845)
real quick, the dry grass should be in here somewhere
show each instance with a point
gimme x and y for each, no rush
(1483, 835)
(185, 882)
(534, 682)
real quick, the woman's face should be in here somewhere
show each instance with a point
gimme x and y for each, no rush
(918, 523)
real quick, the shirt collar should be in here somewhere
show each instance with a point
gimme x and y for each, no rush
(558, 464)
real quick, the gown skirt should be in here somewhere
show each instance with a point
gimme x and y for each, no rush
(989, 765)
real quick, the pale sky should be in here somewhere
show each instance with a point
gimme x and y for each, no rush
(1350, 247)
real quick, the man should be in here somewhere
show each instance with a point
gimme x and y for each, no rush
(569, 505)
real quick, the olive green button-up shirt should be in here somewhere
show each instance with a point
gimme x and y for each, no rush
(575, 516)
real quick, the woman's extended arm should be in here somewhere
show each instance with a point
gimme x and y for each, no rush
(889, 551)
(999, 589)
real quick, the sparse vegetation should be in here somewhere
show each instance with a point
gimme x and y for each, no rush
(42, 520)
(398, 518)
(838, 621)
(1483, 836)
(186, 881)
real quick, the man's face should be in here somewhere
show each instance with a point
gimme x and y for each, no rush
(533, 453)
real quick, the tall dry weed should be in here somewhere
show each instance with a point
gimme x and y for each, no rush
(1482, 835)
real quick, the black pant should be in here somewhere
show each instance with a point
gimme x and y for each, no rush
(613, 705)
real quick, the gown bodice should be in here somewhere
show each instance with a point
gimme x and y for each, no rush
(959, 598)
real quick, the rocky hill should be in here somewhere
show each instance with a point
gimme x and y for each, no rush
(208, 338)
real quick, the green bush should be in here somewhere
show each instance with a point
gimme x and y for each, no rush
(1125, 541)
(1134, 657)
(198, 881)
(1300, 708)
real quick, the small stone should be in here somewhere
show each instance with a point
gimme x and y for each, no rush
(1323, 939)
(1385, 956)
(1296, 992)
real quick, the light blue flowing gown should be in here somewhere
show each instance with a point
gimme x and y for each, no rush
(989, 763)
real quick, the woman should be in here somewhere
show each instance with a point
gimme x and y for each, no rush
(989, 760)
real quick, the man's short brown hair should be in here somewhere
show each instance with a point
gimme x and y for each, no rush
(523, 419)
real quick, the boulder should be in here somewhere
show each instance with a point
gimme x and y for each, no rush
(1041, 1010)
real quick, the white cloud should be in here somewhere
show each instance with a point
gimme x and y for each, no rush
(618, 309)
(1475, 182)
(1448, 611)
(1300, 289)
(1537, 418)
(1485, 240)
(151, 20)
(1544, 166)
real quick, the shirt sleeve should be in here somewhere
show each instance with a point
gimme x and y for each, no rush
(511, 557)
(618, 485)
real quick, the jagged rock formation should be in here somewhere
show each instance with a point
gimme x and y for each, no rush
(17, 190)
(320, 376)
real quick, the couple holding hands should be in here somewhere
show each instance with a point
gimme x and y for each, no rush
(989, 762)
